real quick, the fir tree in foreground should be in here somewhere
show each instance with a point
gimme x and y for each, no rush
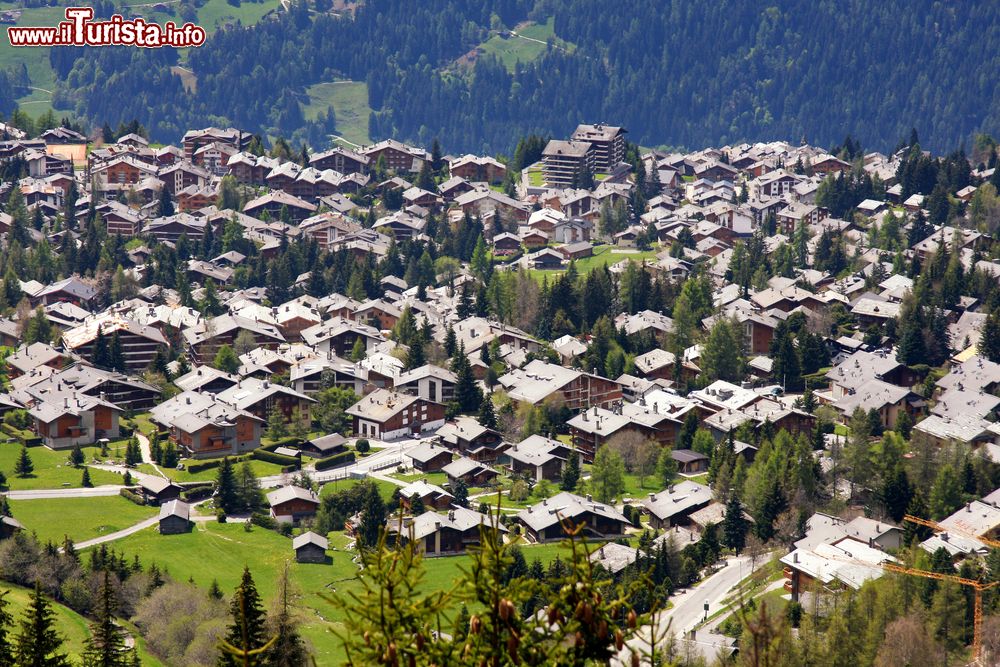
(247, 637)
(38, 644)
(106, 645)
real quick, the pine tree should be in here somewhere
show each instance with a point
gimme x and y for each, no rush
(468, 396)
(23, 466)
(76, 457)
(100, 356)
(85, 480)
(461, 492)
(276, 429)
(487, 413)
(666, 467)
(37, 644)
(226, 492)
(734, 525)
(249, 492)
(248, 631)
(226, 360)
(989, 341)
(116, 355)
(358, 350)
(106, 645)
(6, 624)
(571, 472)
(607, 475)
(372, 518)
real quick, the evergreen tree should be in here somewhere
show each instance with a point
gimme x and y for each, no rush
(76, 457)
(461, 493)
(468, 396)
(372, 518)
(358, 350)
(37, 644)
(571, 472)
(251, 498)
(734, 525)
(116, 355)
(248, 630)
(226, 360)
(607, 474)
(106, 645)
(226, 492)
(6, 624)
(487, 413)
(989, 342)
(276, 428)
(666, 467)
(100, 356)
(23, 467)
(166, 205)
(85, 480)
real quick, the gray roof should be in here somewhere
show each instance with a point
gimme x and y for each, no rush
(563, 506)
(177, 508)
(678, 498)
(310, 538)
(286, 493)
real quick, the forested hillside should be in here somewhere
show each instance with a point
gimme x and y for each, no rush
(674, 73)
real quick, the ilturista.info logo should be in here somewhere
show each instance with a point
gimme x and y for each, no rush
(79, 29)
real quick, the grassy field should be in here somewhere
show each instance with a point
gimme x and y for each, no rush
(385, 489)
(215, 14)
(604, 255)
(349, 100)
(80, 518)
(220, 551)
(52, 471)
(260, 468)
(529, 44)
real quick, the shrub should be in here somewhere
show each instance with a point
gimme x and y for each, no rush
(336, 461)
(133, 496)
(220, 515)
(263, 520)
(362, 445)
(271, 457)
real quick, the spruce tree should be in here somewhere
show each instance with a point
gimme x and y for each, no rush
(248, 631)
(99, 356)
(226, 493)
(372, 518)
(76, 457)
(6, 624)
(487, 414)
(468, 396)
(37, 644)
(23, 466)
(85, 481)
(106, 645)
(571, 472)
(734, 525)
(989, 341)
(116, 355)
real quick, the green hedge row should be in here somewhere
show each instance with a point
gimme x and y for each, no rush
(271, 457)
(212, 464)
(335, 461)
(131, 495)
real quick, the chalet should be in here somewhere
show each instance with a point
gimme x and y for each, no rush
(338, 335)
(29, 357)
(158, 490)
(175, 518)
(310, 547)
(577, 250)
(205, 339)
(139, 343)
(182, 175)
(444, 533)
(277, 204)
(170, 229)
(538, 457)
(674, 504)
(483, 203)
(123, 170)
(291, 504)
(119, 218)
(846, 564)
(539, 380)
(195, 139)
(545, 259)
(550, 519)
(206, 379)
(388, 415)
(430, 457)
(328, 228)
(378, 313)
(204, 426)
(71, 290)
(262, 398)
(429, 382)
(325, 445)
(401, 225)
(127, 392)
(475, 168)
(341, 160)
(396, 156)
(689, 462)
(430, 495)
(69, 418)
(468, 471)
(469, 438)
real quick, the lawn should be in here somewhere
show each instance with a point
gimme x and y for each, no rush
(73, 628)
(349, 100)
(386, 489)
(219, 552)
(52, 471)
(217, 13)
(535, 179)
(260, 468)
(529, 44)
(604, 255)
(80, 518)
(436, 478)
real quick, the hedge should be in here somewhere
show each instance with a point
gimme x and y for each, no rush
(271, 457)
(196, 491)
(335, 461)
(131, 495)
(202, 466)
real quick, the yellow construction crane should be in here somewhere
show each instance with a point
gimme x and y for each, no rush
(978, 586)
(941, 529)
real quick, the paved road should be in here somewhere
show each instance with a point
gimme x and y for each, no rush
(689, 606)
(125, 532)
